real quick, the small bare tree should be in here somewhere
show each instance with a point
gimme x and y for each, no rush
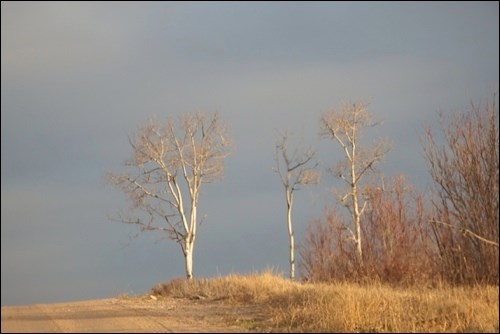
(295, 168)
(465, 170)
(170, 163)
(345, 127)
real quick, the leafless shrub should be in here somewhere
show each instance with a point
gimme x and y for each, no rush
(397, 248)
(465, 170)
(326, 252)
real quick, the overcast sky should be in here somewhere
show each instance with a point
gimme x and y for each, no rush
(78, 78)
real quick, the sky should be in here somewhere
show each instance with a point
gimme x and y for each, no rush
(77, 78)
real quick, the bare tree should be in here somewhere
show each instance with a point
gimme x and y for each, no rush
(163, 179)
(295, 168)
(345, 127)
(465, 170)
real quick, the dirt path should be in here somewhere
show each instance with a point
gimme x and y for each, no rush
(133, 314)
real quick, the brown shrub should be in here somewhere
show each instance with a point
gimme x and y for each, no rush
(397, 246)
(465, 170)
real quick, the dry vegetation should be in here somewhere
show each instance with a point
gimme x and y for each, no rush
(347, 307)
(465, 171)
(409, 238)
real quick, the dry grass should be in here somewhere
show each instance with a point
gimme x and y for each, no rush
(347, 307)
(254, 288)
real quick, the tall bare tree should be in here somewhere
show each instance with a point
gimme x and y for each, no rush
(345, 127)
(170, 163)
(295, 168)
(465, 169)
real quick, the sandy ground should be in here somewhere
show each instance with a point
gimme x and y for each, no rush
(134, 314)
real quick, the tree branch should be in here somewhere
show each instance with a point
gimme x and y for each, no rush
(466, 231)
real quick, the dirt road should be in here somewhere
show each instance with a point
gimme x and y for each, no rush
(133, 314)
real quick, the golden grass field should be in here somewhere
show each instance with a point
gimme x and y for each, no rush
(347, 307)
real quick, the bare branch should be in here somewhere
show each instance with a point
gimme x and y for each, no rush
(466, 231)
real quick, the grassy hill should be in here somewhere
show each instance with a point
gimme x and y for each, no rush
(347, 307)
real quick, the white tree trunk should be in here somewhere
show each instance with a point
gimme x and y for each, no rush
(357, 223)
(289, 202)
(188, 257)
(355, 204)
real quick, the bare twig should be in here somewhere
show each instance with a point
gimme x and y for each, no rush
(466, 231)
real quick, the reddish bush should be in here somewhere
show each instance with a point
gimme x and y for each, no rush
(397, 246)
